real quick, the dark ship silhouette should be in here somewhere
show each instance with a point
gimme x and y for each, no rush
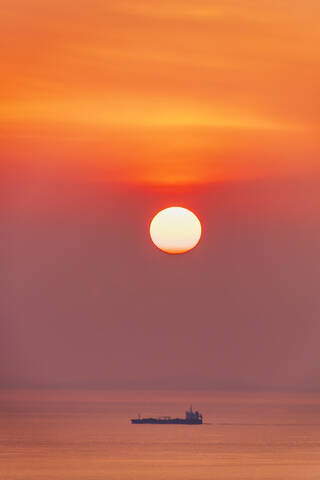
(191, 418)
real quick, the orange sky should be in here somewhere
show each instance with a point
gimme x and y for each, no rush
(173, 91)
(171, 96)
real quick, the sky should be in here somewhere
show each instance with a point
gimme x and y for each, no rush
(111, 111)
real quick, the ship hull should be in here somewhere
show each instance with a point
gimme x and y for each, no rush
(164, 421)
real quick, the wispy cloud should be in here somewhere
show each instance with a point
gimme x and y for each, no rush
(252, 66)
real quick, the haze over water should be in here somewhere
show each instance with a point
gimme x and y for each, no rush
(75, 435)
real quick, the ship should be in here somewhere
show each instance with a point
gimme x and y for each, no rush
(191, 418)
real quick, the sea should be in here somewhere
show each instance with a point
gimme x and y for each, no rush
(87, 435)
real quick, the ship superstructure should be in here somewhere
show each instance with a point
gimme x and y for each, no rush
(191, 418)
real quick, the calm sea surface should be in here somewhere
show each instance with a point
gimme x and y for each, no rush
(60, 435)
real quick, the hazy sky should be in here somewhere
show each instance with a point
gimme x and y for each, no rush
(111, 111)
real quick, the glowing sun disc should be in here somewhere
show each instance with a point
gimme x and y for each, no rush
(175, 230)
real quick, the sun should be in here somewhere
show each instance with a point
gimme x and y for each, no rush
(175, 230)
